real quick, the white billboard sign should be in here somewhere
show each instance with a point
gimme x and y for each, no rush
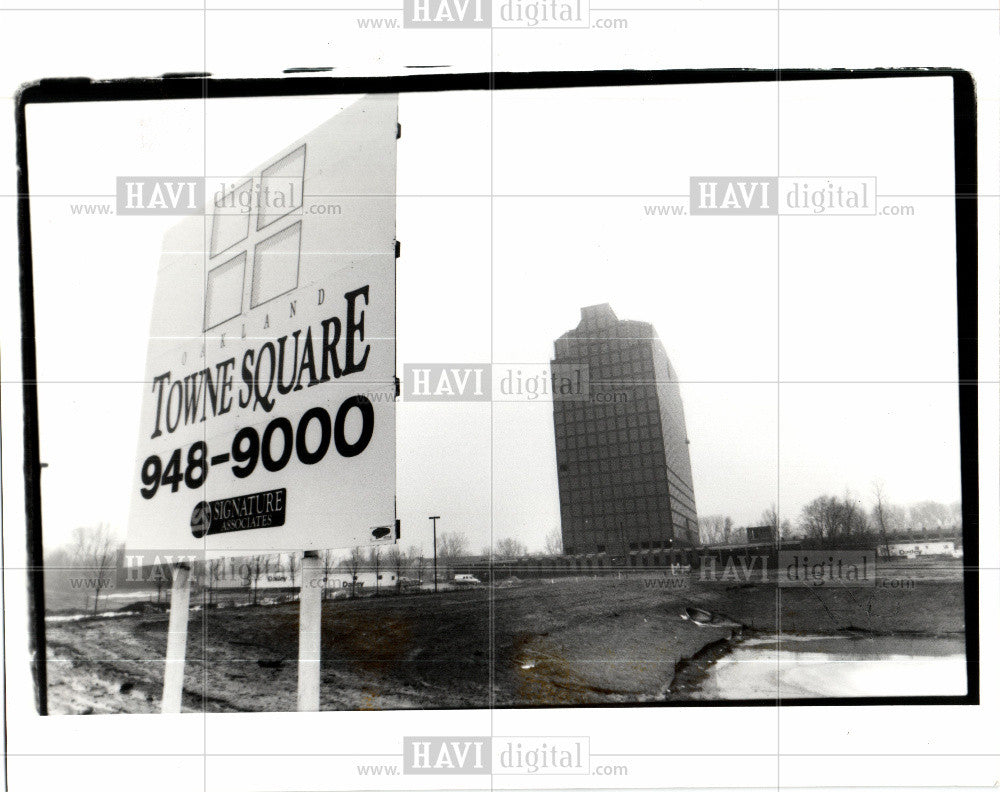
(268, 414)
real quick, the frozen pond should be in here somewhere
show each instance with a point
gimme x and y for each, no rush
(838, 666)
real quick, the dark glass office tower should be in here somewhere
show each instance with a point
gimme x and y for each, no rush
(622, 451)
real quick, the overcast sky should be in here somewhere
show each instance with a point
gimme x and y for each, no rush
(854, 316)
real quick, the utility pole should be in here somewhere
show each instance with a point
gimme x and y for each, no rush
(434, 520)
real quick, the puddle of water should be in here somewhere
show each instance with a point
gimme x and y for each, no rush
(838, 666)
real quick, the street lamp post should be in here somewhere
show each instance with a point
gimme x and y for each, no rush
(434, 520)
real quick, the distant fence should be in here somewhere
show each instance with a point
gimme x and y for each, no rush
(573, 565)
(636, 561)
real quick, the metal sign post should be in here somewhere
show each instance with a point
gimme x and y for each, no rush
(310, 623)
(177, 628)
(435, 521)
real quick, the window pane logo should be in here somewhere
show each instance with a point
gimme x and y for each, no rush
(257, 236)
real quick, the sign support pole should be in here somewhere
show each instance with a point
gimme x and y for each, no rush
(310, 619)
(177, 628)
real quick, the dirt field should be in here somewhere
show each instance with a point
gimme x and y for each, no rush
(567, 641)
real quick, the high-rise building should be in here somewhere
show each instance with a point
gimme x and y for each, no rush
(621, 449)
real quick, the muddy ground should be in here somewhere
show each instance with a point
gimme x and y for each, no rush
(567, 641)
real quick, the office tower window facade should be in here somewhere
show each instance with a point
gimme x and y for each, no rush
(622, 452)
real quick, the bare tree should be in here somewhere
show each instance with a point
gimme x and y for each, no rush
(856, 522)
(329, 563)
(553, 542)
(715, 529)
(294, 566)
(396, 561)
(375, 563)
(451, 546)
(510, 548)
(930, 516)
(820, 518)
(213, 572)
(955, 512)
(254, 568)
(832, 522)
(354, 562)
(769, 517)
(60, 569)
(880, 515)
(95, 551)
(417, 562)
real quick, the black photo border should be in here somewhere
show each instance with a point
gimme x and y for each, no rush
(203, 86)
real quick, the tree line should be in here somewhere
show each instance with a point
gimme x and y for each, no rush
(95, 561)
(843, 521)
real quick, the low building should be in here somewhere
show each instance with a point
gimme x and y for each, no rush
(364, 581)
(938, 547)
(760, 533)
